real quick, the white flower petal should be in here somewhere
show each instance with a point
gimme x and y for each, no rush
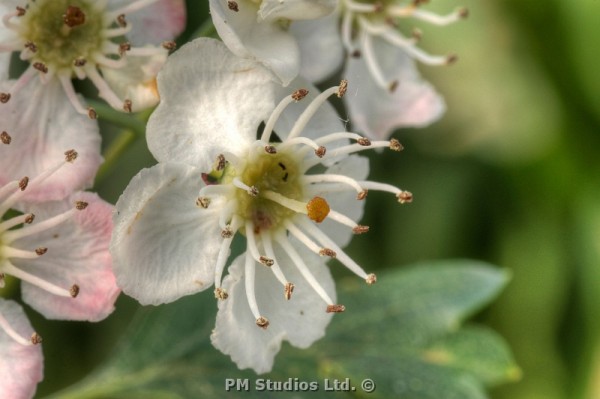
(301, 320)
(43, 125)
(295, 9)
(376, 111)
(265, 42)
(136, 81)
(342, 199)
(163, 245)
(21, 367)
(321, 50)
(77, 254)
(163, 20)
(211, 101)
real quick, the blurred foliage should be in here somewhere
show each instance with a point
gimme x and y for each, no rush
(509, 175)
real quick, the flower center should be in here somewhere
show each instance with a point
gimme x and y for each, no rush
(63, 31)
(278, 173)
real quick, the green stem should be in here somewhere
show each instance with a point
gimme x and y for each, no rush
(108, 114)
(117, 147)
(207, 29)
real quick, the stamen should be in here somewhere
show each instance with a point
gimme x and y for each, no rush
(15, 221)
(299, 94)
(302, 268)
(23, 183)
(268, 245)
(41, 251)
(335, 308)
(144, 51)
(224, 254)
(123, 48)
(362, 7)
(371, 279)
(6, 18)
(432, 18)
(40, 66)
(4, 97)
(30, 46)
(129, 8)
(67, 85)
(103, 60)
(252, 191)
(10, 252)
(253, 248)
(12, 235)
(312, 108)
(303, 238)
(36, 339)
(345, 220)
(169, 45)
(5, 138)
(221, 293)
(127, 104)
(332, 178)
(371, 59)
(9, 268)
(395, 39)
(249, 275)
(18, 85)
(116, 32)
(269, 149)
(327, 252)
(319, 149)
(266, 134)
(327, 242)
(404, 197)
(5, 325)
(203, 202)
(287, 291)
(104, 89)
(121, 21)
(346, 31)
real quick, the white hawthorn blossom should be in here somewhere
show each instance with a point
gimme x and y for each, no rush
(258, 30)
(21, 359)
(388, 89)
(241, 156)
(118, 45)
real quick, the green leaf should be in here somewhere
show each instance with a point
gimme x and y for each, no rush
(402, 333)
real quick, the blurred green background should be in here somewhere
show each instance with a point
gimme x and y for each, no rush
(509, 176)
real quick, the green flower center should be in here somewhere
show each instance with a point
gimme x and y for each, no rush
(63, 31)
(279, 173)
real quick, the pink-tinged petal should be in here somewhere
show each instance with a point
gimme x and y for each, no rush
(21, 367)
(301, 320)
(43, 125)
(266, 42)
(295, 9)
(321, 50)
(77, 254)
(211, 102)
(136, 81)
(161, 21)
(164, 246)
(377, 112)
(342, 199)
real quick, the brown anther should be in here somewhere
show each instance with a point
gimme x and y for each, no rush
(31, 46)
(5, 138)
(220, 293)
(463, 12)
(287, 290)
(253, 192)
(371, 279)
(74, 17)
(262, 322)
(233, 6)
(41, 250)
(404, 197)
(204, 202)
(364, 141)
(342, 88)
(70, 155)
(92, 114)
(169, 45)
(335, 308)
(266, 261)
(79, 62)
(29, 218)
(451, 59)
(23, 183)
(124, 47)
(269, 149)
(40, 66)
(74, 291)
(220, 163)
(36, 338)
(393, 86)
(318, 209)
(299, 94)
(417, 3)
(4, 97)
(227, 232)
(20, 11)
(360, 229)
(356, 54)
(395, 145)
(127, 104)
(320, 152)
(327, 252)
(80, 205)
(362, 195)
(121, 21)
